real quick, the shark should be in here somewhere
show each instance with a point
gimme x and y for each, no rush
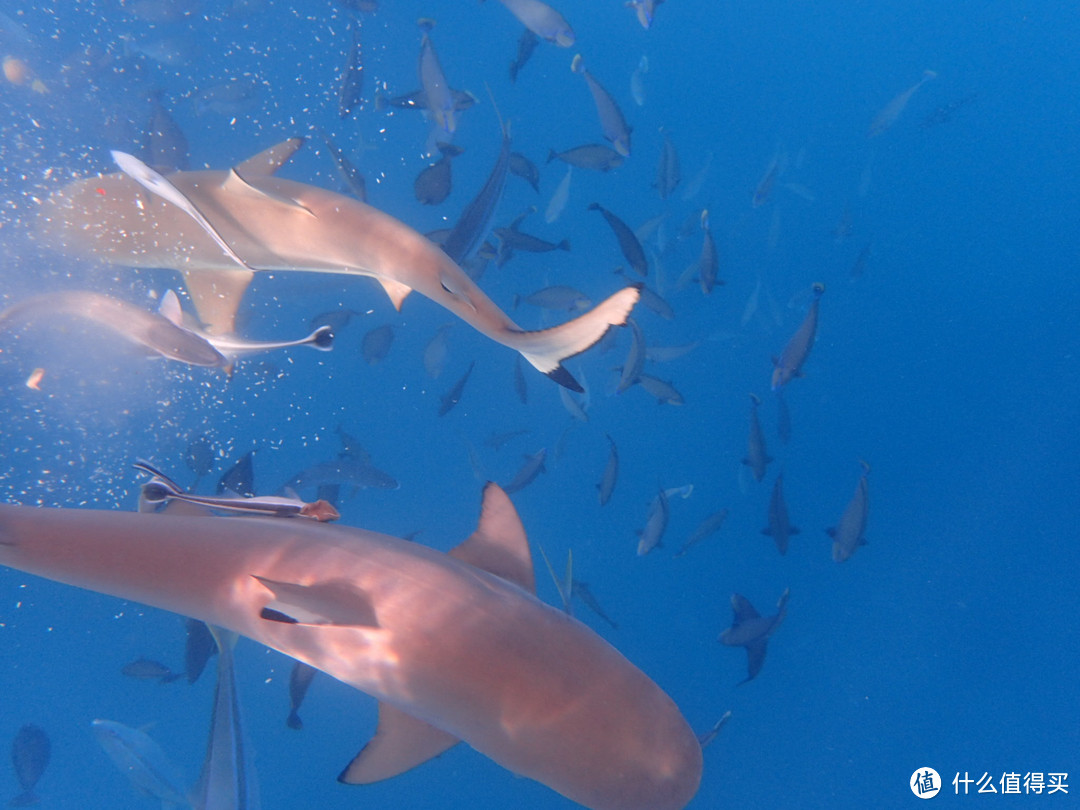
(220, 227)
(455, 646)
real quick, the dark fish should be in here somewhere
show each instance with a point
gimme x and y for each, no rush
(472, 227)
(655, 523)
(239, 479)
(351, 84)
(30, 751)
(850, 532)
(664, 392)
(583, 592)
(667, 169)
(164, 146)
(432, 185)
(628, 242)
(783, 417)
(299, 681)
(235, 96)
(789, 364)
(611, 473)
(198, 647)
(542, 20)
(436, 351)
(336, 319)
(520, 388)
(779, 528)
(525, 169)
(513, 239)
(146, 669)
(751, 630)
(612, 122)
(557, 297)
(709, 260)
(768, 181)
(376, 343)
(859, 267)
(635, 358)
(352, 176)
(708, 526)
(757, 458)
(526, 45)
(593, 156)
(650, 298)
(533, 466)
(453, 396)
(946, 112)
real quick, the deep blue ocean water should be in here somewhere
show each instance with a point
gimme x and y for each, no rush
(949, 365)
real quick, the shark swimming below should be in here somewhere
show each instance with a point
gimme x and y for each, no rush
(455, 646)
(202, 222)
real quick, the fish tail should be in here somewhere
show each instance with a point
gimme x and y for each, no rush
(546, 349)
(25, 799)
(293, 721)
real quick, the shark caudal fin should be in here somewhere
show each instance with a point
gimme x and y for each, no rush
(546, 349)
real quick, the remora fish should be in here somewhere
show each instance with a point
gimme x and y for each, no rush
(279, 224)
(757, 457)
(789, 364)
(162, 488)
(628, 241)
(779, 527)
(150, 330)
(611, 473)
(227, 781)
(891, 111)
(752, 630)
(454, 646)
(542, 20)
(850, 532)
(612, 122)
(141, 759)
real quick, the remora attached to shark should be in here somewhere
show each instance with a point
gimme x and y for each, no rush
(275, 224)
(455, 646)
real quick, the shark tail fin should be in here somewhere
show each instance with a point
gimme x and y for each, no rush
(546, 349)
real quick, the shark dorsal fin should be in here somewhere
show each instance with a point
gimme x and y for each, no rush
(401, 742)
(216, 295)
(395, 289)
(170, 309)
(335, 603)
(270, 160)
(499, 545)
(236, 184)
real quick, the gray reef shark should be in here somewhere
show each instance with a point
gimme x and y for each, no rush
(268, 223)
(455, 646)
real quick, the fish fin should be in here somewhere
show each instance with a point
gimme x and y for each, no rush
(545, 349)
(395, 289)
(499, 545)
(742, 609)
(401, 742)
(170, 309)
(236, 184)
(755, 658)
(216, 295)
(270, 160)
(335, 602)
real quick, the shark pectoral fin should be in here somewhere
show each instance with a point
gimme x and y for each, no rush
(499, 545)
(235, 184)
(270, 160)
(336, 603)
(401, 742)
(755, 658)
(396, 290)
(216, 295)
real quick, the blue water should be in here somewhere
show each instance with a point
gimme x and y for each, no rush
(949, 365)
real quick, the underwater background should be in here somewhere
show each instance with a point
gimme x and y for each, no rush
(945, 359)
